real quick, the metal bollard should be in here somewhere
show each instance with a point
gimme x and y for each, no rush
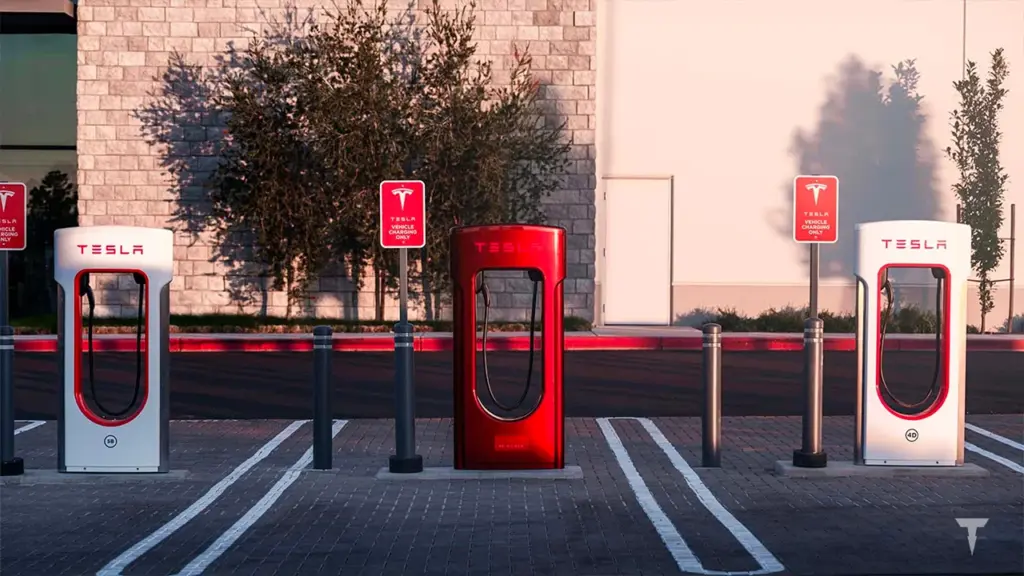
(10, 465)
(323, 346)
(405, 460)
(711, 418)
(811, 455)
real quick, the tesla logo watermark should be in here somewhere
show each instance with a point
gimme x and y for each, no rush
(972, 525)
(401, 193)
(4, 195)
(816, 190)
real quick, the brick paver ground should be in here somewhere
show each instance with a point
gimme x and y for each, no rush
(345, 521)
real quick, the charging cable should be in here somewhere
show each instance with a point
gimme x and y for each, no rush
(86, 290)
(536, 278)
(887, 290)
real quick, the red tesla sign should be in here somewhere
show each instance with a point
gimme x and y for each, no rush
(403, 214)
(816, 209)
(13, 216)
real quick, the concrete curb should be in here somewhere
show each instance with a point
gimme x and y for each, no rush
(665, 339)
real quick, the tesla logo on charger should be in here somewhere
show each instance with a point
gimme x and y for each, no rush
(915, 244)
(110, 249)
(508, 247)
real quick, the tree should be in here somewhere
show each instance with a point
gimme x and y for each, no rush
(52, 205)
(488, 154)
(975, 151)
(270, 189)
(318, 119)
(359, 98)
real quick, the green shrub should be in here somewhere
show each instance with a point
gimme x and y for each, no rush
(254, 324)
(912, 320)
(731, 321)
(906, 320)
(1018, 325)
(788, 319)
(842, 323)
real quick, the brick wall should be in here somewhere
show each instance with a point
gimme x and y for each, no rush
(124, 49)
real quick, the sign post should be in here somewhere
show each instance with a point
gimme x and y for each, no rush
(403, 225)
(13, 236)
(13, 232)
(815, 221)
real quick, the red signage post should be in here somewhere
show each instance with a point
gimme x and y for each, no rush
(816, 209)
(403, 225)
(403, 214)
(13, 232)
(13, 216)
(815, 221)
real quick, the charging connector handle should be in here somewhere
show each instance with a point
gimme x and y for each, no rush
(536, 278)
(886, 317)
(86, 290)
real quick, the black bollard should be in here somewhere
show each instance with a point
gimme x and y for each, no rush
(323, 346)
(10, 465)
(810, 454)
(711, 417)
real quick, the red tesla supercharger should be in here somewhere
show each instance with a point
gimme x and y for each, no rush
(502, 436)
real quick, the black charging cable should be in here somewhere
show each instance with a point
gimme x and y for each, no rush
(536, 278)
(86, 290)
(939, 275)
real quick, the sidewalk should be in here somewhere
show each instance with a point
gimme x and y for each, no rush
(676, 339)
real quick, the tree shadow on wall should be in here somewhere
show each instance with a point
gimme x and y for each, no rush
(872, 135)
(183, 121)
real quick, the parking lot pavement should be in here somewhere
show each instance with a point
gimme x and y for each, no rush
(250, 505)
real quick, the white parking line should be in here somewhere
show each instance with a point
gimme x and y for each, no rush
(995, 457)
(994, 436)
(118, 564)
(674, 542)
(30, 426)
(232, 534)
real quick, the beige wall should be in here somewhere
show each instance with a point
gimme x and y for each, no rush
(124, 48)
(733, 99)
(694, 304)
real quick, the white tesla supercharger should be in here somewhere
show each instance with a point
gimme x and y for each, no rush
(928, 430)
(96, 434)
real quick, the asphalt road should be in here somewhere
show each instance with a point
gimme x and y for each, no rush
(599, 383)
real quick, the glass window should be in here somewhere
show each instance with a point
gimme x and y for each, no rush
(38, 125)
(38, 117)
